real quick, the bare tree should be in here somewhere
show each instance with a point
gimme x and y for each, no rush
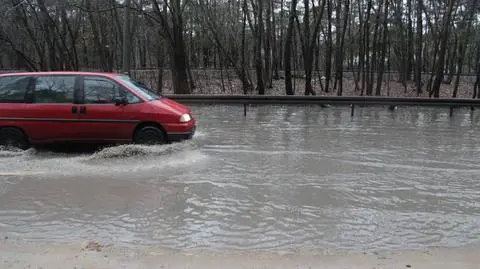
(288, 49)
(256, 41)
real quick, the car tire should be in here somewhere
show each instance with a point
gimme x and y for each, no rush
(149, 135)
(13, 137)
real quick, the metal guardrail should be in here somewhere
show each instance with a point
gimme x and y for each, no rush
(326, 100)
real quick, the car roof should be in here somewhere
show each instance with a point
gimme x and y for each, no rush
(80, 73)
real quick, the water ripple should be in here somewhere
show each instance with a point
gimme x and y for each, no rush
(280, 178)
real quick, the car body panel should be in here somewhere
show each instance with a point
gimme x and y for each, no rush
(41, 122)
(107, 122)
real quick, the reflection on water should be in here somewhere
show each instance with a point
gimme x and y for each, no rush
(282, 177)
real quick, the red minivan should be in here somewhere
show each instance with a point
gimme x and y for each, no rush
(49, 107)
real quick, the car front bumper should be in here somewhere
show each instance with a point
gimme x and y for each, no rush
(177, 137)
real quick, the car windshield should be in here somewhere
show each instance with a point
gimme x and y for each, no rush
(140, 88)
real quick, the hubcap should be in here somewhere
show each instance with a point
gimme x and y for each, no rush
(149, 137)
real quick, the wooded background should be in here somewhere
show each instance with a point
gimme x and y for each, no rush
(360, 47)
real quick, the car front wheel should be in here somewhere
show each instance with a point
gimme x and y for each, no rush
(149, 135)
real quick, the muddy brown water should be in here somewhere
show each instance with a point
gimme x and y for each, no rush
(284, 177)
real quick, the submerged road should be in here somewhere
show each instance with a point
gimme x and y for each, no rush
(287, 177)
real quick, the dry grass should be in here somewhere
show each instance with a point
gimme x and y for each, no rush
(211, 82)
(225, 82)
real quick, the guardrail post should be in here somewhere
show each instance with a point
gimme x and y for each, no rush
(245, 109)
(451, 111)
(352, 111)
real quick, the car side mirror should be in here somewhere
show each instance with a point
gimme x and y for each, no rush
(120, 101)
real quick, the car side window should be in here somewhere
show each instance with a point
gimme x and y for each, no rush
(54, 89)
(13, 89)
(132, 98)
(100, 91)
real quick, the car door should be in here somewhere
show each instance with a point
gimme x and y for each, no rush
(103, 119)
(49, 111)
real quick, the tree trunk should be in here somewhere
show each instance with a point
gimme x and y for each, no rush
(374, 53)
(268, 46)
(361, 53)
(381, 68)
(179, 67)
(243, 70)
(329, 49)
(308, 46)
(160, 63)
(173, 30)
(476, 85)
(366, 33)
(443, 47)
(464, 39)
(275, 48)
(341, 47)
(409, 41)
(288, 49)
(418, 48)
(451, 59)
(126, 39)
(258, 49)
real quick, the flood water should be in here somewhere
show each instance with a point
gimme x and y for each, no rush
(284, 177)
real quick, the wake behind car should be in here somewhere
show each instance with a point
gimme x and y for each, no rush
(87, 107)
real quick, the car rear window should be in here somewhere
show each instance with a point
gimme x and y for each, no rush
(13, 88)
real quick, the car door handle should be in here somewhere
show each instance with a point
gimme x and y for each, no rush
(83, 110)
(74, 110)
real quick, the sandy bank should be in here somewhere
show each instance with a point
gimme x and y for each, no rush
(23, 255)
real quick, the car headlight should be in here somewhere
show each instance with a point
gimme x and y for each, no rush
(185, 118)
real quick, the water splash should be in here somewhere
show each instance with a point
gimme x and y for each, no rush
(129, 151)
(107, 161)
(10, 152)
